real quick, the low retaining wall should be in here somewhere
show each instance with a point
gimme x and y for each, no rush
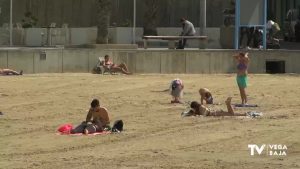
(39, 60)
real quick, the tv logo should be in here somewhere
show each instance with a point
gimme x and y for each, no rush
(271, 149)
(258, 149)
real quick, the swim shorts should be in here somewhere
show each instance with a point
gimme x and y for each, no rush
(242, 81)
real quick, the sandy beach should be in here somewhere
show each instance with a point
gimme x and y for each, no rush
(155, 135)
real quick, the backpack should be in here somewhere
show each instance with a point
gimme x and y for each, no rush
(97, 70)
(118, 126)
(65, 129)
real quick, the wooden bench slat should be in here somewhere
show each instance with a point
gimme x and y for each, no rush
(174, 37)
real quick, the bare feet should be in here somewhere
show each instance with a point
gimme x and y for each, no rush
(86, 131)
(228, 100)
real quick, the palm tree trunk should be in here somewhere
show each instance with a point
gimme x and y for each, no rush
(103, 14)
(150, 17)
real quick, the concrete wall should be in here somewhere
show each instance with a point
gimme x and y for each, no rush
(142, 61)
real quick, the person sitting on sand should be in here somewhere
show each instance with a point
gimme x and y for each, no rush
(10, 72)
(97, 120)
(176, 90)
(198, 109)
(206, 95)
(108, 64)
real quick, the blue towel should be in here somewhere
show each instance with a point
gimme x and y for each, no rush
(254, 114)
(245, 105)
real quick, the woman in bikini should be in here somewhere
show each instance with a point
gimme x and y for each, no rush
(242, 74)
(10, 72)
(115, 68)
(198, 109)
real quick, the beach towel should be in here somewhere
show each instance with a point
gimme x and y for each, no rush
(66, 130)
(80, 134)
(245, 105)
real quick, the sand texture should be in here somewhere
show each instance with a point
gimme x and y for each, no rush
(155, 135)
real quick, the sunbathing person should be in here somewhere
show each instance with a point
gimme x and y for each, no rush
(10, 72)
(97, 120)
(198, 109)
(108, 64)
(206, 95)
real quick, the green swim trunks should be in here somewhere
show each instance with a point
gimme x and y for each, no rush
(242, 81)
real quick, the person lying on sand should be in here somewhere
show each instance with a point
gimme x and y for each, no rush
(97, 120)
(198, 109)
(206, 95)
(10, 72)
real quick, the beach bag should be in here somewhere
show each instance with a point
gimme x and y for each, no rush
(118, 126)
(66, 128)
(97, 70)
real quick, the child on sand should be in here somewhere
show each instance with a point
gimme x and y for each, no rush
(206, 95)
(176, 90)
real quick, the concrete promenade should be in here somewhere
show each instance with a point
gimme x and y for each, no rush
(193, 61)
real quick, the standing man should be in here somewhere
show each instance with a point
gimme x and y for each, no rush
(188, 29)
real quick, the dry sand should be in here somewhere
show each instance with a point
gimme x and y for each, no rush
(155, 135)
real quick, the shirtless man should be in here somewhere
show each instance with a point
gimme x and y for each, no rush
(10, 72)
(206, 95)
(107, 63)
(97, 120)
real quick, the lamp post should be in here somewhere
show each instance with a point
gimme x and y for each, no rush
(202, 24)
(11, 24)
(134, 21)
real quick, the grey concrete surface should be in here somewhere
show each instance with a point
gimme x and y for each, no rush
(142, 61)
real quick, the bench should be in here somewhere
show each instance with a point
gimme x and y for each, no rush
(172, 40)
